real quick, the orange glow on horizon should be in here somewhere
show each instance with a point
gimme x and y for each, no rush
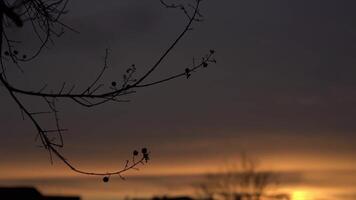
(302, 195)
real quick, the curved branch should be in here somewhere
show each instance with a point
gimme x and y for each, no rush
(51, 146)
(164, 55)
(44, 16)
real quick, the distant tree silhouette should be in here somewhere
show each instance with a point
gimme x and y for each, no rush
(240, 181)
(44, 16)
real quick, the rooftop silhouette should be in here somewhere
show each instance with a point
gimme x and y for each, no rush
(29, 193)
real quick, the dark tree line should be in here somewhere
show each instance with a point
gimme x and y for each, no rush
(45, 19)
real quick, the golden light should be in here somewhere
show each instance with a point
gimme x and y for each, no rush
(302, 195)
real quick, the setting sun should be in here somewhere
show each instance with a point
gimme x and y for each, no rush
(302, 195)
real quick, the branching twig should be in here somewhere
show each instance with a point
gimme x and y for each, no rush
(44, 16)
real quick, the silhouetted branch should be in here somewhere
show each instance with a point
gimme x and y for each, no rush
(45, 19)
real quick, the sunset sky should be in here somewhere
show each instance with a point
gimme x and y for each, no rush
(283, 91)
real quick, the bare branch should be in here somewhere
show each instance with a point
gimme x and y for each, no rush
(45, 19)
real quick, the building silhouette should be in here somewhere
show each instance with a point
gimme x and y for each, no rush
(29, 193)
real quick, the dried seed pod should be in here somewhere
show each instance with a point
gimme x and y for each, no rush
(106, 179)
(144, 150)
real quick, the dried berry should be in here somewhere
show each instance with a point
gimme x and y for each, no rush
(144, 150)
(205, 64)
(113, 83)
(16, 52)
(135, 153)
(106, 179)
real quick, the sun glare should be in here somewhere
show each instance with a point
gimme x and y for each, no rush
(301, 195)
